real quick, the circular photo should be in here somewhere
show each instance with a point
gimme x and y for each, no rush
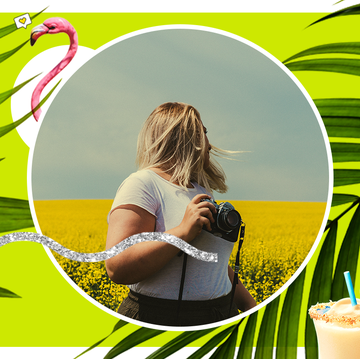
(192, 133)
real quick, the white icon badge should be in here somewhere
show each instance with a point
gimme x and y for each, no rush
(22, 21)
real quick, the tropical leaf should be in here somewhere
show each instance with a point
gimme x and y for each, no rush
(117, 326)
(11, 28)
(347, 259)
(287, 339)
(320, 290)
(211, 344)
(342, 127)
(341, 116)
(339, 107)
(5, 95)
(336, 48)
(265, 342)
(351, 10)
(8, 54)
(15, 214)
(247, 340)
(5, 293)
(132, 340)
(339, 199)
(330, 223)
(344, 66)
(346, 177)
(227, 349)
(345, 152)
(179, 342)
(5, 129)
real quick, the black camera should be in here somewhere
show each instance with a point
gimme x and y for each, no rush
(227, 221)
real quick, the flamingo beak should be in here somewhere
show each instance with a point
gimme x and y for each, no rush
(36, 32)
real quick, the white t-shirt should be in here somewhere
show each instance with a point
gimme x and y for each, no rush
(167, 202)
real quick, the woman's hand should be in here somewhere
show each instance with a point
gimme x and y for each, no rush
(198, 214)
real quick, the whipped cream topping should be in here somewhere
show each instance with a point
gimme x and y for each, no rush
(340, 313)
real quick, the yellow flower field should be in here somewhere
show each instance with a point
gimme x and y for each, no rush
(278, 237)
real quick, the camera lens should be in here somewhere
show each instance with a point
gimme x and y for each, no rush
(232, 219)
(229, 220)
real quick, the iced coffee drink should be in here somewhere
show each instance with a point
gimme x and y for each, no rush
(337, 327)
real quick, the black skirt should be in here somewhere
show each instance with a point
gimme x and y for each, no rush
(170, 313)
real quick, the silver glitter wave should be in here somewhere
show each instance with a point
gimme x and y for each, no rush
(111, 252)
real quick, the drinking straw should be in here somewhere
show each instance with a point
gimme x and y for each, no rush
(350, 288)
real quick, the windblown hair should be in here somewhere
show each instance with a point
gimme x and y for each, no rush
(173, 139)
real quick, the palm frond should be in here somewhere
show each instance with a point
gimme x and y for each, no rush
(344, 177)
(5, 293)
(345, 152)
(8, 54)
(320, 290)
(179, 342)
(15, 214)
(338, 107)
(265, 342)
(7, 94)
(227, 349)
(212, 343)
(247, 340)
(138, 337)
(287, 339)
(344, 66)
(351, 10)
(339, 199)
(117, 326)
(7, 128)
(348, 258)
(336, 48)
(341, 116)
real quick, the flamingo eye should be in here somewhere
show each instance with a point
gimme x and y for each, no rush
(52, 27)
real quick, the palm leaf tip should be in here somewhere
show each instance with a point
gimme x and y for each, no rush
(7, 94)
(117, 326)
(8, 54)
(351, 10)
(335, 48)
(5, 293)
(339, 199)
(138, 337)
(7, 128)
(337, 65)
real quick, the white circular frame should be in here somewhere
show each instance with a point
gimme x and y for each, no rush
(329, 197)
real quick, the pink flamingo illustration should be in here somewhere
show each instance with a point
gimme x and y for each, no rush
(53, 25)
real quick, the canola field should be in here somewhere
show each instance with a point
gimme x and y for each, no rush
(278, 237)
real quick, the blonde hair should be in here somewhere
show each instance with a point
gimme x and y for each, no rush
(173, 139)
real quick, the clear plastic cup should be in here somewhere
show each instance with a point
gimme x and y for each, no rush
(337, 328)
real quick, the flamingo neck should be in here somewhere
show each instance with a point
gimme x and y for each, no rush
(58, 68)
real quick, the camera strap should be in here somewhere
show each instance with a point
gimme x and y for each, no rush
(237, 265)
(181, 286)
(236, 272)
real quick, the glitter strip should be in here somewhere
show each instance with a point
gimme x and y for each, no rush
(111, 252)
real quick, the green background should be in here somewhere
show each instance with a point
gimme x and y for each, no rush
(51, 312)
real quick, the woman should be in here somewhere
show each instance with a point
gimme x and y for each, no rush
(166, 195)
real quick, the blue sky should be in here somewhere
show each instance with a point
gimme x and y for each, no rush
(87, 143)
